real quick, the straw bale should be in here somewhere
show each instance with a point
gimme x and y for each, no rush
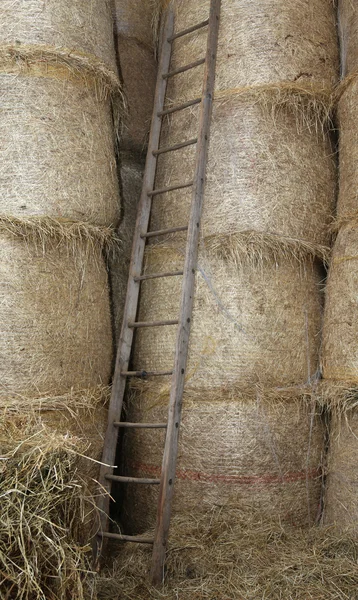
(78, 27)
(273, 172)
(131, 174)
(347, 208)
(348, 29)
(139, 73)
(55, 319)
(341, 501)
(340, 325)
(257, 325)
(57, 151)
(49, 448)
(234, 451)
(238, 555)
(262, 42)
(135, 20)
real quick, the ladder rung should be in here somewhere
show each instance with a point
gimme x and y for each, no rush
(189, 30)
(152, 323)
(123, 479)
(126, 538)
(164, 231)
(125, 424)
(175, 147)
(192, 65)
(170, 188)
(145, 374)
(158, 275)
(169, 111)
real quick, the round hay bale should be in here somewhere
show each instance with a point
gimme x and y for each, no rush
(341, 501)
(131, 176)
(348, 30)
(260, 43)
(55, 319)
(273, 174)
(139, 73)
(135, 20)
(57, 148)
(73, 28)
(347, 208)
(234, 451)
(340, 324)
(256, 325)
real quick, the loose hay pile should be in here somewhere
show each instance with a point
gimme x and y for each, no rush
(241, 555)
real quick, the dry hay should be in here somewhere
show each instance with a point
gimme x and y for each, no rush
(341, 500)
(57, 150)
(275, 175)
(236, 555)
(340, 325)
(348, 29)
(347, 209)
(139, 73)
(256, 325)
(48, 462)
(235, 449)
(262, 42)
(131, 176)
(76, 28)
(136, 20)
(55, 318)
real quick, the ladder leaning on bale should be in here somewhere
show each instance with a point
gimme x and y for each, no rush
(166, 481)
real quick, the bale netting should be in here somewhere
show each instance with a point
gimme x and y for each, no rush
(348, 29)
(260, 43)
(136, 20)
(131, 176)
(340, 325)
(341, 498)
(257, 325)
(347, 112)
(255, 450)
(73, 29)
(237, 555)
(55, 318)
(49, 448)
(272, 168)
(57, 146)
(139, 73)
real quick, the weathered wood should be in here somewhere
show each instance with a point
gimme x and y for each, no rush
(153, 323)
(125, 424)
(144, 374)
(192, 65)
(171, 188)
(150, 234)
(139, 480)
(158, 275)
(182, 343)
(173, 109)
(131, 304)
(175, 147)
(126, 538)
(189, 30)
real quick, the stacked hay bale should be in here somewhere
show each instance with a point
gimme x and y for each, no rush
(59, 204)
(250, 434)
(138, 70)
(339, 353)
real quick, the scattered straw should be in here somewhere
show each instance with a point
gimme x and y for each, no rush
(241, 555)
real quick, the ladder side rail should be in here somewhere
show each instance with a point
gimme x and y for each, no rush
(181, 350)
(135, 270)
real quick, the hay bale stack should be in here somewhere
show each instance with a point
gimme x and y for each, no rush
(250, 325)
(260, 452)
(138, 69)
(341, 502)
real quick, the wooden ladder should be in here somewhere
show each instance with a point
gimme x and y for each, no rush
(141, 235)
